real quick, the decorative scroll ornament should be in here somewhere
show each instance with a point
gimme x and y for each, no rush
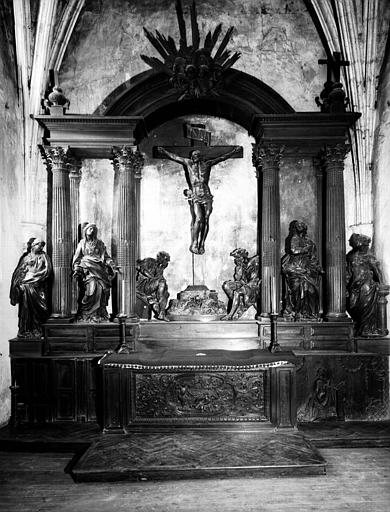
(193, 71)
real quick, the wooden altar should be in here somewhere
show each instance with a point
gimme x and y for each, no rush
(58, 378)
(216, 375)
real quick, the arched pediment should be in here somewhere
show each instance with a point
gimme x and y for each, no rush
(150, 95)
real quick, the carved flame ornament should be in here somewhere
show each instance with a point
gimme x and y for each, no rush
(193, 71)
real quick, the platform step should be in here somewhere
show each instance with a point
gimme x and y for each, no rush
(200, 454)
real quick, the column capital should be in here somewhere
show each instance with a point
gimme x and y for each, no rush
(57, 157)
(266, 152)
(128, 158)
(74, 167)
(334, 154)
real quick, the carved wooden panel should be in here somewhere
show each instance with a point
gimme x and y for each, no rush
(200, 397)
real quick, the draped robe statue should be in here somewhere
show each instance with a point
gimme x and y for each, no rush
(363, 279)
(96, 270)
(29, 289)
(301, 270)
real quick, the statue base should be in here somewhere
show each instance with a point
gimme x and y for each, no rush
(196, 303)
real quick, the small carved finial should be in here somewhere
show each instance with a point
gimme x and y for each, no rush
(56, 103)
(332, 99)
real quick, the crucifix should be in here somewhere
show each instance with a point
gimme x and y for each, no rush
(334, 65)
(197, 161)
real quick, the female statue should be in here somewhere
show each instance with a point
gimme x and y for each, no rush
(363, 279)
(96, 270)
(301, 269)
(29, 289)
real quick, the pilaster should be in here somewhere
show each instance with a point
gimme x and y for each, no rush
(333, 165)
(74, 167)
(128, 162)
(57, 158)
(266, 159)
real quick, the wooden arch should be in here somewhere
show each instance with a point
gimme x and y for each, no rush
(150, 95)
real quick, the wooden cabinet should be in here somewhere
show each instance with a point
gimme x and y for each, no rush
(54, 388)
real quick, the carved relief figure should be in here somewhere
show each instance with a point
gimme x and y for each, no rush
(243, 291)
(197, 171)
(29, 289)
(301, 270)
(363, 279)
(95, 270)
(152, 288)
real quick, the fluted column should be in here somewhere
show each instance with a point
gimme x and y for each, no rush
(320, 221)
(138, 177)
(266, 159)
(57, 158)
(74, 167)
(333, 165)
(127, 162)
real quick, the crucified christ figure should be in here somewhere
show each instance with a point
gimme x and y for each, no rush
(197, 171)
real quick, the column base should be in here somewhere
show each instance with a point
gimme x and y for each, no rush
(131, 318)
(54, 319)
(264, 318)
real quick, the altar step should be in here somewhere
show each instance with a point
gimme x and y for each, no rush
(198, 454)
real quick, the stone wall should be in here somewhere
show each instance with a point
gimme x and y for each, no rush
(11, 240)
(277, 40)
(279, 45)
(381, 170)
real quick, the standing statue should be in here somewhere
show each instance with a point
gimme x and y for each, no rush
(95, 270)
(364, 278)
(301, 269)
(29, 289)
(243, 291)
(197, 171)
(152, 288)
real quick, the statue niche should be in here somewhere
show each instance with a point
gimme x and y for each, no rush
(29, 289)
(243, 291)
(301, 271)
(364, 288)
(95, 270)
(151, 286)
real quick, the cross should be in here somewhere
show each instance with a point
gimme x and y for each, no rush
(197, 161)
(334, 64)
(198, 133)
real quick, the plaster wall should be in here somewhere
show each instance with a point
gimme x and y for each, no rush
(381, 170)
(277, 40)
(165, 215)
(11, 239)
